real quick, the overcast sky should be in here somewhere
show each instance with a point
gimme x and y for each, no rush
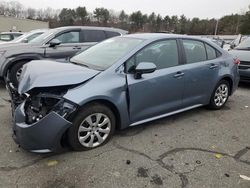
(190, 8)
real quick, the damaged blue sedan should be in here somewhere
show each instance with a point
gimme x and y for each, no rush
(120, 82)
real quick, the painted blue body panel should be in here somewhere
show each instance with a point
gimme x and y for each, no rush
(153, 96)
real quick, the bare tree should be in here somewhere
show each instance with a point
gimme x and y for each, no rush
(31, 13)
(15, 8)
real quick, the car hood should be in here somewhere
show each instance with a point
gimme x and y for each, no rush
(243, 55)
(44, 73)
(18, 48)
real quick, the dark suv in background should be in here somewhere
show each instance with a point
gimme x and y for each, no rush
(59, 44)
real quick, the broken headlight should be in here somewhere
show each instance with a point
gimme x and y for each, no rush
(64, 108)
(40, 105)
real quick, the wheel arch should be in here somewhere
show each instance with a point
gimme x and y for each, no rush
(230, 81)
(107, 103)
(11, 63)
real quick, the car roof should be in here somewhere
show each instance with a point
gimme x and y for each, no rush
(93, 27)
(150, 37)
(155, 36)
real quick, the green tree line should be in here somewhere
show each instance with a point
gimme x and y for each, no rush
(134, 22)
(139, 22)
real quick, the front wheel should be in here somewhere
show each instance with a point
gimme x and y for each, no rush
(220, 95)
(15, 72)
(92, 127)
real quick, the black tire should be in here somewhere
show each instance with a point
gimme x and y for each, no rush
(91, 109)
(212, 105)
(13, 72)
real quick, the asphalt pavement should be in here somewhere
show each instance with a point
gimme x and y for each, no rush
(198, 148)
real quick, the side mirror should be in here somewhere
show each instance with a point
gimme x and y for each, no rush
(144, 68)
(232, 46)
(54, 42)
(222, 44)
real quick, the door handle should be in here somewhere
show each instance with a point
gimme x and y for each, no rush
(77, 48)
(179, 74)
(213, 66)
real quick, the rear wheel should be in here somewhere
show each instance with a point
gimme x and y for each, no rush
(15, 72)
(92, 127)
(220, 95)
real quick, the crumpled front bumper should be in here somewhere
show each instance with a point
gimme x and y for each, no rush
(41, 137)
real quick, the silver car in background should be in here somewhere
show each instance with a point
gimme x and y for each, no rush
(9, 36)
(29, 36)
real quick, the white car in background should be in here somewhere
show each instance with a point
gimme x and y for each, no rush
(26, 37)
(9, 36)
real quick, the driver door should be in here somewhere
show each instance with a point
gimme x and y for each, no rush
(70, 45)
(159, 92)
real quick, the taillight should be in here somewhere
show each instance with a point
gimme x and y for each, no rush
(236, 61)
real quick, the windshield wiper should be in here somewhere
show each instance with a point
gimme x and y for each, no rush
(85, 65)
(81, 64)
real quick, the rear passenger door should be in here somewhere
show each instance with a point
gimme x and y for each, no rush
(91, 37)
(201, 71)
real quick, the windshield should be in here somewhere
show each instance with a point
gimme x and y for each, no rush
(43, 37)
(245, 44)
(19, 39)
(106, 53)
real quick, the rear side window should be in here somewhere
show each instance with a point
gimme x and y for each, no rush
(195, 51)
(211, 52)
(94, 35)
(69, 37)
(110, 34)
